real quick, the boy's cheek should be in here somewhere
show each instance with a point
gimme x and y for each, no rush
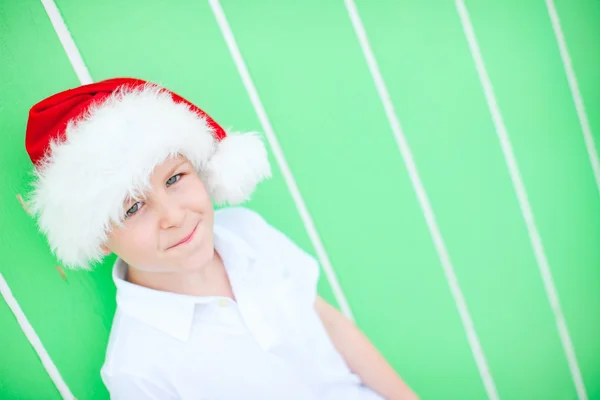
(136, 245)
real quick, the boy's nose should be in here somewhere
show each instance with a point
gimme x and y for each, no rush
(170, 215)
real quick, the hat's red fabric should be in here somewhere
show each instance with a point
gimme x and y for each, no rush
(48, 119)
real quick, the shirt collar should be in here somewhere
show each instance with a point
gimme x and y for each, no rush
(173, 313)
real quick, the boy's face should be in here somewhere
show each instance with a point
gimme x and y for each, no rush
(171, 230)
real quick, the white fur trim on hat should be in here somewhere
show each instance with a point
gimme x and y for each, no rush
(110, 153)
(239, 162)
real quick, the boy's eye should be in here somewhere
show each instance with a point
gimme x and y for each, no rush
(133, 209)
(173, 179)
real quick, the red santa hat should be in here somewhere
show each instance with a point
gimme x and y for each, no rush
(97, 144)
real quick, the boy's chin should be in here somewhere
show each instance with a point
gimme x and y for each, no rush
(168, 263)
(197, 261)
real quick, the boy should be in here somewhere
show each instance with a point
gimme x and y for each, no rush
(210, 305)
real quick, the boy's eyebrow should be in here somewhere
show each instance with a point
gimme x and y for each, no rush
(173, 169)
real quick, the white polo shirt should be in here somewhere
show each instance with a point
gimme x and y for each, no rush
(268, 344)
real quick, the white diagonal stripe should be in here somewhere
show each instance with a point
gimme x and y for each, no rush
(67, 42)
(577, 98)
(35, 341)
(434, 230)
(534, 236)
(84, 77)
(278, 153)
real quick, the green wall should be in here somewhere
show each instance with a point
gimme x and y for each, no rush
(319, 94)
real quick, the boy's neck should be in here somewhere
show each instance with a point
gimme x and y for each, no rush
(210, 280)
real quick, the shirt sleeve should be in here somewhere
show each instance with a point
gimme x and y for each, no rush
(125, 386)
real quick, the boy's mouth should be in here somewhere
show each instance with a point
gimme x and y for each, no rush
(186, 239)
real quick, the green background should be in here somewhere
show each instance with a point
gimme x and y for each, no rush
(311, 74)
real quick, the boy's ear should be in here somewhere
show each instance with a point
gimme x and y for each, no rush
(105, 250)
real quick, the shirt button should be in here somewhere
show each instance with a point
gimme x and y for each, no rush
(223, 303)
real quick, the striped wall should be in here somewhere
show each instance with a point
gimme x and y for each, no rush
(440, 159)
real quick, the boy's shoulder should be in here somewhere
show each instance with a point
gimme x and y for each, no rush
(238, 216)
(245, 224)
(259, 233)
(255, 230)
(289, 263)
(243, 221)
